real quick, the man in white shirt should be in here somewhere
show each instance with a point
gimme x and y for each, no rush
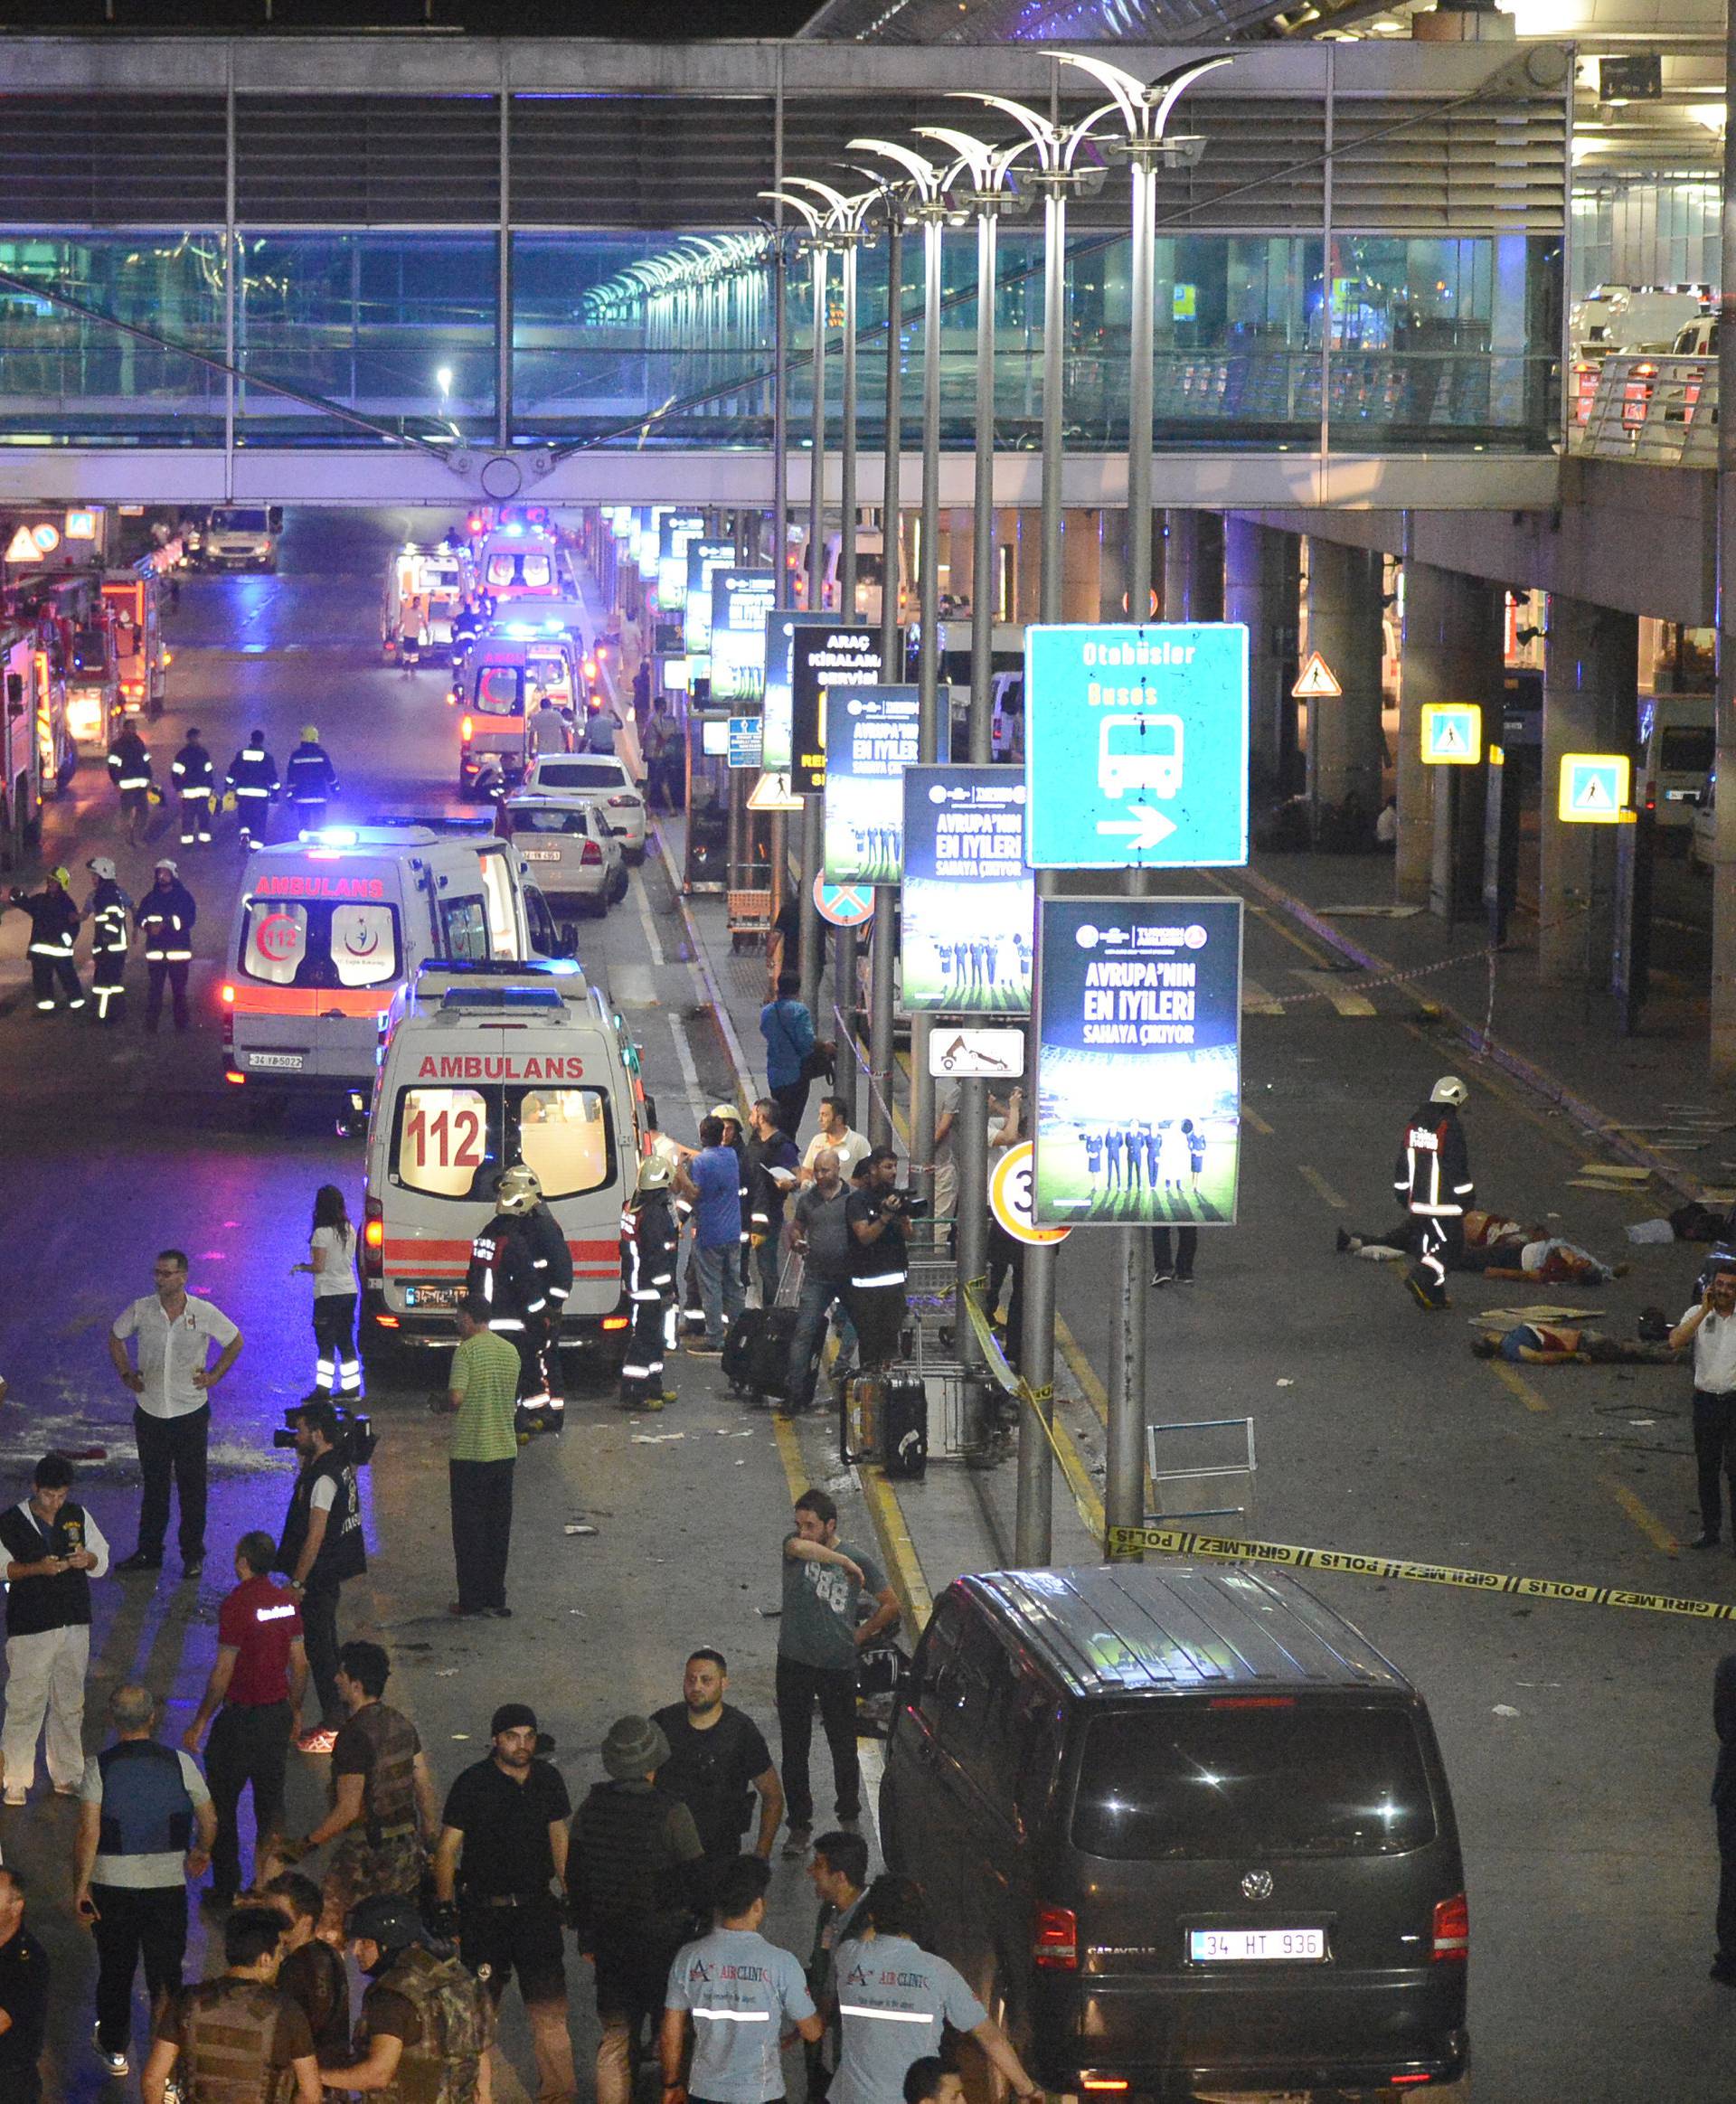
(834, 1132)
(172, 1384)
(1711, 1327)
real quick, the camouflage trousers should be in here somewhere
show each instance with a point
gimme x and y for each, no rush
(359, 1871)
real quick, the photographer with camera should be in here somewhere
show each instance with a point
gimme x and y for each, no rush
(880, 1264)
(322, 1546)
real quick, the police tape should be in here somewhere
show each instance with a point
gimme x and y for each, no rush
(1176, 1542)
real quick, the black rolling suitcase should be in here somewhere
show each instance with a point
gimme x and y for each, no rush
(904, 1425)
(755, 1352)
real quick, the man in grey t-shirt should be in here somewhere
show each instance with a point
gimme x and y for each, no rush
(819, 1637)
(820, 1235)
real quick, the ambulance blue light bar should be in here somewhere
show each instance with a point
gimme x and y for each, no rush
(329, 837)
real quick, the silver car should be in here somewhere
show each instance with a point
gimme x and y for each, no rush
(567, 848)
(602, 780)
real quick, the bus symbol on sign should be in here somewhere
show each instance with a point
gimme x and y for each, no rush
(1140, 751)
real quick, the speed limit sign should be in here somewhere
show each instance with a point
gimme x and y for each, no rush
(1009, 1198)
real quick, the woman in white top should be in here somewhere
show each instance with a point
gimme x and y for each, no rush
(331, 1258)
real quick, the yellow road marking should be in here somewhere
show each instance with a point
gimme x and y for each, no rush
(1641, 1515)
(1257, 1000)
(1276, 922)
(1317, 1183)
(904, 1566)
(1511, 1378)
(1257, 1121)
(789, 1452)
(1345, 999)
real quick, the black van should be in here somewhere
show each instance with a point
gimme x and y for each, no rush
(1183, 1831)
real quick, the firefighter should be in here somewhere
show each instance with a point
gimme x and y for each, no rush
(553, 1261)
(1433, 1181)
(130, 769)
(107, 912)
(53, 925)
(650, 1240)
(165, 922)
(310, 781)
(253, 779)
(195, 777)
(503, 1276)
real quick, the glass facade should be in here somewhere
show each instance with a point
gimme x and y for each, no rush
(641, 340)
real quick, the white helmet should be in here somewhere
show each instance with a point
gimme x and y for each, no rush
(518, 1190)
(654, 1175)
(1449, 1089)
(100, 866)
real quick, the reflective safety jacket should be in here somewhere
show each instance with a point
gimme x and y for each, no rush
(228, 2028)
(253, 775)
(166, 919)
(129, 762)
(551, 1258)
(108, 909)
(310, 776)
(1433, 1176)
(54, 920)
(650, 1240)
(503, 1272)
(194, 770)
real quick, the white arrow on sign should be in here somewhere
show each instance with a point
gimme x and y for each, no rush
(1147, 828)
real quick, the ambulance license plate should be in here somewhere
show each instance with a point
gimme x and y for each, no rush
(432, 1296)
(542, 853)
(278, 1062)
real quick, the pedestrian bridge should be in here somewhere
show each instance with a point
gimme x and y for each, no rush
(423, 268)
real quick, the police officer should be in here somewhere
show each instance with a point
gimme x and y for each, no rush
(650, 1240)
(165, 922)
(426, 2024)
(553, 1262)
(238, 2038)
(382, 1795)
(53, 925)
(322, 1547)
(1433, 1181)
(107, 912)
(504, 1276)
(253, 779)
(195, 777)
(310, 781)
(130, 769)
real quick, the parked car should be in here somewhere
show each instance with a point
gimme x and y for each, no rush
(567, 846)
(602, 780)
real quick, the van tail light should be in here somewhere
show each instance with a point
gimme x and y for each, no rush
(1452, 1939)
(591, 854)
(467, 729)
(616, 1322)
(229, 996)
(1054, 1940)
(373, 1239)
(1106, 2085)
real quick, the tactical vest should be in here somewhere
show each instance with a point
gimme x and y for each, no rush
(228, 2030)
(389, 1794)
(145, 1808)
(444, 2064)
(631, 1881)
(343, 1554)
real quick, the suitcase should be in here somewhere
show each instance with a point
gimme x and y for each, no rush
(755, 1352)
(860, 1401)
(904, 1426)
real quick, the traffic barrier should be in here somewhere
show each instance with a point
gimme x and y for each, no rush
(1127, 1542)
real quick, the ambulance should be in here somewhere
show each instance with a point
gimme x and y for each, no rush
(497, 683)
(486, 1066)
(518, 564)
(329, 928)
(431, 578)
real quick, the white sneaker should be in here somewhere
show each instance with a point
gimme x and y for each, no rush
(115, 2064)
(15, 1797)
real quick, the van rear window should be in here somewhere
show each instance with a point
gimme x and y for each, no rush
(500, 691)
(322, 943)
(1181, 1779)
(452, 1142)
(1687, 749)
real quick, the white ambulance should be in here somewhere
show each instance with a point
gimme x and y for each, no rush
(487, 1066)
(330, 926)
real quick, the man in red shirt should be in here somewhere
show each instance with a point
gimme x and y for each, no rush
(259, 1679)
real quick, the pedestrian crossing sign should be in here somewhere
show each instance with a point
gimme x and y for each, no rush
(1452, 734)
(1318, 682)
(1594, 788)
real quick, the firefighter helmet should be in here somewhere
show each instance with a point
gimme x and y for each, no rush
(311, 733)
(1449, 1089)
(100, 866)
(654, 1175)
(518, 1190)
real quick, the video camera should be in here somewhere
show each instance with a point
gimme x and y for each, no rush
(910, 1205)
(355, 1441)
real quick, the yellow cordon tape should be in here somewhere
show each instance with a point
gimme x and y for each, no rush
(1172, 1542)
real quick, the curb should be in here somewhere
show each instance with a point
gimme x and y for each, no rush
(1524, 1071)
(701, 964)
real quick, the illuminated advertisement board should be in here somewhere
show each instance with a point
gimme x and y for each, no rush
(675, 531)
(837, 654)
(742, 603)
(780, 637)
(871, 738)
(704, 559)
(1138, 1061)
(968, 899)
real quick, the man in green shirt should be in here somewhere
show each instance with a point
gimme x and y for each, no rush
(483, 1392)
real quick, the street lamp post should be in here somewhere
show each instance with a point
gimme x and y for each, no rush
(892, 557)
(1144, 112)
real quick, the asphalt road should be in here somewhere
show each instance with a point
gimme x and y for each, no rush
(1578, 1740)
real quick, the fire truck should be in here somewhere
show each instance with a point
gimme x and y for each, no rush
(141, 661)
(82, 635)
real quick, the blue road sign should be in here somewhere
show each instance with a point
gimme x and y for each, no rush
(744, 740)
(1137, 746)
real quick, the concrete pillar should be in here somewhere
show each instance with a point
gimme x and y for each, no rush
(1450, 652)
(1261, 584)
(1193, 584)
(1111, 565)
(1081, 557)
(1591, 686)
(1345, 749)
(1025, 525)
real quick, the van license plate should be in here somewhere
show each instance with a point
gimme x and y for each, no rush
(540, 854)
(432, 1296)
(278, 1062)
(1248, 1946)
